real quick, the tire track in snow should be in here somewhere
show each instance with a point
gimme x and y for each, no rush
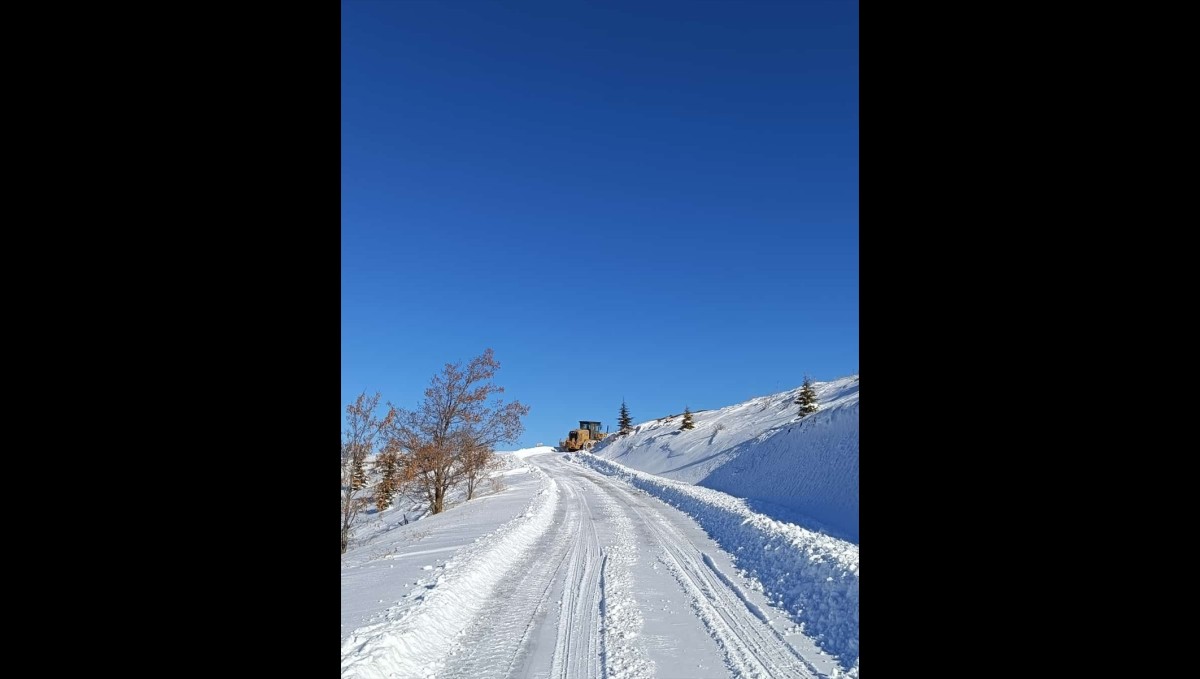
(501, 641)
(577, 650)
(623, 652)
(810, 575)
(751, 648)
(509, 626)
(417, 643)
(500, 636)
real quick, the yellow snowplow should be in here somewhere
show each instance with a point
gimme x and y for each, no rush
(582, 438)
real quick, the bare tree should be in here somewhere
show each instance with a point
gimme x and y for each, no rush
(363, 427)
(433, 471)
(478, 462)
(444, 437)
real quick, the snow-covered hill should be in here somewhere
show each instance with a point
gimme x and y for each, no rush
(799, 470)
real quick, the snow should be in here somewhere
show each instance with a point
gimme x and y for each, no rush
(582, 565)
(798, 469)
(526, 452)
(383, 539)
(814, 576)
(414, 641)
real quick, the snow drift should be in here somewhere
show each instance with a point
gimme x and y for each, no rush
(801, 470)
(812, 576)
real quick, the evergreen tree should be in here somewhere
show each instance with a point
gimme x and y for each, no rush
(364, 429)
(388, 466)
(687, 420)
(359, 478)
(808, 397)
(624, 422)
(383, 495)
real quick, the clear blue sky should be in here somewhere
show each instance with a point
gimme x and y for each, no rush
(649, 200)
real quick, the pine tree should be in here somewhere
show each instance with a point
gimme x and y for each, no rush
(383, 495)
(808, 397)
(364, 428)
(359, 478)
(687, 420)
(624, 422)
(388, 466)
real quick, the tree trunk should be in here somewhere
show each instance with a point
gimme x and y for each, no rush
(439, 498)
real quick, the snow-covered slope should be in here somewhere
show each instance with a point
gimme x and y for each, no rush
(582, 568)
(389, 556)
(799, 470)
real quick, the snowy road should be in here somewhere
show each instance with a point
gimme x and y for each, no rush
(608, 582)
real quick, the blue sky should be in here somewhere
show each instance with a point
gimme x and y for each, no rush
(656, 201)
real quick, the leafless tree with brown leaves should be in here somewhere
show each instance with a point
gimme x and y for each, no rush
(363, 429)
(452, 433)
(478, 462)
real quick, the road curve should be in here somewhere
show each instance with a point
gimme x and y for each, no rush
(619, 586)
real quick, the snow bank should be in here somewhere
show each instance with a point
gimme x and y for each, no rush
(803, 470)
(811, 575)
(416, 643)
